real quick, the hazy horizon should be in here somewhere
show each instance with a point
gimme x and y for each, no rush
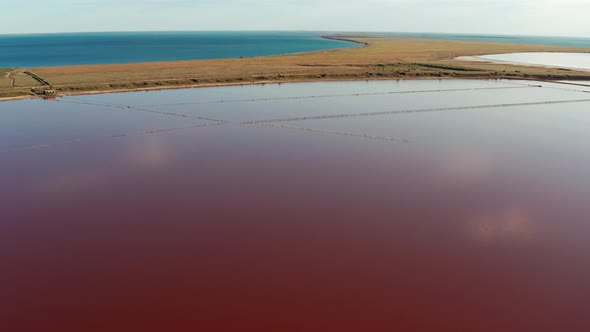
(502, 17)
(442, 33)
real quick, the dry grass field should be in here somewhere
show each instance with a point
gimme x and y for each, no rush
(4, 79)
(15, 83)
(377, 58)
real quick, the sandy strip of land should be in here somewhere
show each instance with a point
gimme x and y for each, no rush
(376, 58)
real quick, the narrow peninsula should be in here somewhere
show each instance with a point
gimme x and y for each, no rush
(375, 58)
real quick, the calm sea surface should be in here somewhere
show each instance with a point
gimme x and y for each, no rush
(352, 206)
(122, 47)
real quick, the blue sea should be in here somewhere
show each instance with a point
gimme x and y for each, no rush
(38, 50)
(41, 50)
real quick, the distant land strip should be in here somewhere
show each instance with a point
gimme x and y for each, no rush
(376, 58)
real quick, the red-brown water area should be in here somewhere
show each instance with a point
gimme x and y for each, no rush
(351, 206)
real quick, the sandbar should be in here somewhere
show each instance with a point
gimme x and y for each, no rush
(375, 58)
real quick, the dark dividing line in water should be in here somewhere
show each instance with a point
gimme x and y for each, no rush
(87, 102)
(555, 88)
(38, 147)
(123, 107)
(180, 115)
(566, 89)
(46, 146)
(585, 84)
(158, 131)
(337, 95)
(142, 109)
(424, 110)
(334, 132)
(524, 84)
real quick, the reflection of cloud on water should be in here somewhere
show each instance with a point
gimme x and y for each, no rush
(467, 166)
(514, 224)
(146, 156)
(471, 171)
(73, 183)
(149, 155)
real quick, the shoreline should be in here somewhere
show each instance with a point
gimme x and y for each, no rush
(373, 59)
(216, 85)
(479, 58)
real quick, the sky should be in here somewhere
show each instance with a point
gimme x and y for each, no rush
(512, 17)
